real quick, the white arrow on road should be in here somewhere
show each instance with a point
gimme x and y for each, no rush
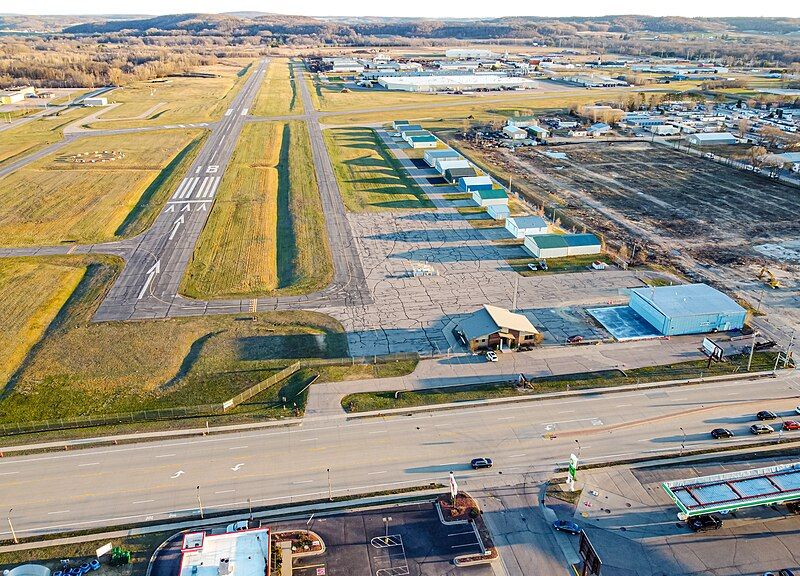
(237, 467)
(154, 269)
(178, 473)
(176, 225)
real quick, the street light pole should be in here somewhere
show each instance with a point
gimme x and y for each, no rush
(11, 526)
(200, 503)
(330, 490)
(752, 349)
(578, 442)
(386, 520)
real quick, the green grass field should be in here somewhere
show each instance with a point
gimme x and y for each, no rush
(60, 199)
(35, 134)
(279, 95)
(369, 177)
(181, 99)
(31, 294)
(82, 368)
(266, 233)
(368, 401)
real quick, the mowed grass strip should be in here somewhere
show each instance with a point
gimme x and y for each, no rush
(38, 133)
(83, 368)
(279, 94)
(266, 233)
(185, 99)
(59, 200)
(369, 177)
(31, 295)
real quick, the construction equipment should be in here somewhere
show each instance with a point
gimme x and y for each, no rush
(766, 275)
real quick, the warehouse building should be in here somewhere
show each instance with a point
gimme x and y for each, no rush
(538, 132)
(493, 327)
(515, 133)
(498, 211)
(486, 198)
(443, 165)
(561, 245)
(398, 124)
(403, 128)
(431, 156)
(470, 53)
(598, 129)
(712, 139)
(473, 183)
(407, 134)
(454, 175)
(16, 94)
(454, 83)
(687, 309)
(526, 226)
(95, 101)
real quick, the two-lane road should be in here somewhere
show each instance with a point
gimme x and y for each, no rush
(159, 480)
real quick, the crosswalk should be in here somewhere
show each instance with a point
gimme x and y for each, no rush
(197, 187)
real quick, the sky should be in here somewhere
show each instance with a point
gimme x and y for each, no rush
(428, 8)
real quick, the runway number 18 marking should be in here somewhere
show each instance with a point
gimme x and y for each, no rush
(213, 169)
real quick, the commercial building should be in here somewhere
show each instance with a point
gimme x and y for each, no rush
(473, 183)
(598, 129)
(486, 198)
(95, 101)
(561, 245)
(687, 309)
(592, 81)
(432, 156)
(526, 226)
(663, 129)
(498, 211)
(344, 65)
(712, 139)
(538, 132)
(398, 124)
(455, 175)
(515, 133)
(16, 94)
(493, 327)
(244, 553)
(453, 83)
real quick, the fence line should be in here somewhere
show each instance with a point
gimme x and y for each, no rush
(261, 386)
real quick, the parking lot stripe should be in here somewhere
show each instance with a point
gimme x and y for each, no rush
(464, 545)
(461, 533)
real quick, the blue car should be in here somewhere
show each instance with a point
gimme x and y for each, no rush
(567, 526)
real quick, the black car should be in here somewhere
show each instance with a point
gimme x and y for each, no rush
(766, 415)
(718, 433)
(704, 523)
(785, 572)
(481, 463)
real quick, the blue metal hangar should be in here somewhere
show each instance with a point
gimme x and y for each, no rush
(687, 309)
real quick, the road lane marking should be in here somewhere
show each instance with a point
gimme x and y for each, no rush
(59, 512)
(228, 111)
(302, 482)
(507, 418)
(517, 455)
(378, 432)
(164, 455)
(225, 491)
(8, 473)
(374, 473)
(89, 464)
(308, 439)
(621, 405)
(567, 412)
(142, 501)
(244, 111)
(238, 447)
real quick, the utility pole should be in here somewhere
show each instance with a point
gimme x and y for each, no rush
(11, 526)
(516, 291)
(788, 351)
(200, 503)
(330, 491)
(752, 349)
(683, 440)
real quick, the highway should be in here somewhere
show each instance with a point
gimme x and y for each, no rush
(90, 488)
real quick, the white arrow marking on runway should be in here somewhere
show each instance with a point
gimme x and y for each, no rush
(186, 208)
(176, 225)
(154, 269)
(178, 473)
(237, 467)
(170, 208)
(202, 207)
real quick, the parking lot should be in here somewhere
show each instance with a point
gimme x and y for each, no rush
(417, 544)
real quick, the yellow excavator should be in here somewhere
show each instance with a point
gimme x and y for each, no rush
(768, 278)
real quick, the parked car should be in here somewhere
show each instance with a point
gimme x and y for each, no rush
(797, 409)
(793, 506)
(786, 572)
(542, 264)
(765, 345)
(766, 415)
(574, 339)
(533, 267)
(477, 463)
(491, 356)
(567, 526)
(761, 429)
(704, 523)
(718, 433)
(791, 425)
(237, 526)
(598, 265)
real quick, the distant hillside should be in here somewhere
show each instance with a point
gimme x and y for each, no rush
(250, 23)
(54, 23)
